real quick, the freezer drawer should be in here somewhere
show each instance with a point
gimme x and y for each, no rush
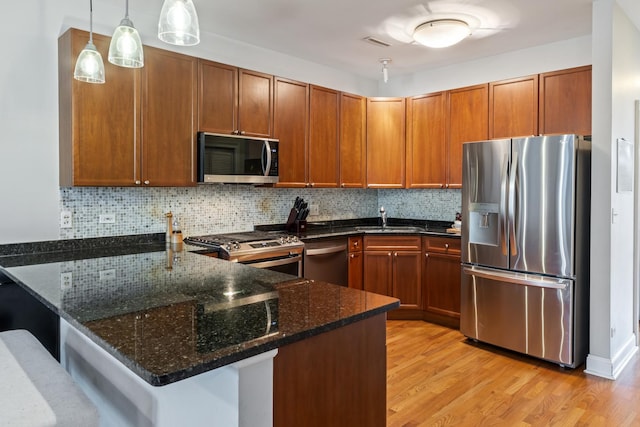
(522, 312)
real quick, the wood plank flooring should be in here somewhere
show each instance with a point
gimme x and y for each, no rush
(435, 377)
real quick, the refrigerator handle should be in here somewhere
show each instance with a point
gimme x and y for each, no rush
(517, 278)
(512, 204)
(503, 204)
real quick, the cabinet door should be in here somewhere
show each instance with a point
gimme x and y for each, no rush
(442, 284)
(468, 117)
(378, 272)
(169, 112)
(291, 108)
(324, 111)
(426, 141)
(255, 104)
(356, 261)
(565, 101)
(353, 142)
(513, 107)
(385, 143)
(98, 133)
(407, 279)
(217, 97)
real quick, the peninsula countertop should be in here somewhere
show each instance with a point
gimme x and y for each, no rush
(169, 315)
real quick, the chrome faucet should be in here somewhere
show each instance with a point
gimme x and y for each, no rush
(383, 215)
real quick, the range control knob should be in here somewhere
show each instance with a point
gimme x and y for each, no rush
(228, 247)
(294, 238)
(236, 245)
(281, 239)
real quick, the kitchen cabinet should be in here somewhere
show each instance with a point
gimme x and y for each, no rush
(290, 126)
(324, 150)
(386, 143)
(565, 101)
(468, 116)
(442, 279)
(234, 100)
(513, 107)
(355, 262)
(136, 129)
(393, 266)
(426, 141)
(353, 142)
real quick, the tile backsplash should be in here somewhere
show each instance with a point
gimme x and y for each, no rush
(209, 209)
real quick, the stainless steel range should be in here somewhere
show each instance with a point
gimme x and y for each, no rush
(271, 250)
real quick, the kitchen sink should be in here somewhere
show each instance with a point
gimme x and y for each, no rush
(390, 229)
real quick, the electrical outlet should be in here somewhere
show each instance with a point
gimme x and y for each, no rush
(108, 274)
(66, 219)
(107, 218)
(66, 280)
(314, 209)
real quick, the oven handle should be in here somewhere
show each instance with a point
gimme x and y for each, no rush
(275, 262)
(326, 251)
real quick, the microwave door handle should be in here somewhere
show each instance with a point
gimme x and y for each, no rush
(266, 167)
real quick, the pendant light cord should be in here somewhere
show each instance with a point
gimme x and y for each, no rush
(91, 21)
(126, 9)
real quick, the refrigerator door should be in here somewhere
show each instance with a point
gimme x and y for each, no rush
(541, 205)
(485, 173)
(527, 313)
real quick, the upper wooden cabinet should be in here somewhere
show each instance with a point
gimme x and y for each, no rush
(427, 141)
(234, 100)
(291, 115)
(513, 107)
(468, 116)
(324, 150)
(353, 142)
(136, 129)
(565, 101)
(385, 142)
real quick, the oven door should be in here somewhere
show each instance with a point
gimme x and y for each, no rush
(287, 261)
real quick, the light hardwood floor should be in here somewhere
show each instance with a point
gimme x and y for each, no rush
(435, 377)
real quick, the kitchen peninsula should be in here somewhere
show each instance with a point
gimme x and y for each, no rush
(162, 337)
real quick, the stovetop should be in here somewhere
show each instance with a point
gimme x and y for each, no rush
(247, 242)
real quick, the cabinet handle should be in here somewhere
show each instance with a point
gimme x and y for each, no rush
(395, 254)
(446, 246)
(389, 254)
(138, 182)
(342, 185)
(351, 256)
(446, 186)
(355, 243)
(241, 132)
(441, 185)
(312, 184)
(426, 255)
(146, 182)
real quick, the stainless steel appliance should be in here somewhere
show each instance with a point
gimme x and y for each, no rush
(525, 245)
(327, 260)
(237, 159)
(274, 251)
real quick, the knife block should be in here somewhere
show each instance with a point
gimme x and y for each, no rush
(300, 226)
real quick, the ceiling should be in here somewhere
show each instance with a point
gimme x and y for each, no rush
(331, 32)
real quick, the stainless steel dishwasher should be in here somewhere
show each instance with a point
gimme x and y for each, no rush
(327, 260)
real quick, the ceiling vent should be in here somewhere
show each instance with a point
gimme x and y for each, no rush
(376, 42)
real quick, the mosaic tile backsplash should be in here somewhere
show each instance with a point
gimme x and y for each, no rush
(210, 209)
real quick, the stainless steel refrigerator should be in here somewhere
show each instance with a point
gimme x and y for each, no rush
(525, 245)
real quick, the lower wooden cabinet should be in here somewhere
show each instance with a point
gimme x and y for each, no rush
(355, 262)
(392, 266)
(442, 279)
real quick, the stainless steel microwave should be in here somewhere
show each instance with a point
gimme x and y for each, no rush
(237, 159)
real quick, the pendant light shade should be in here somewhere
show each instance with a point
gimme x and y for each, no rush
(125, 49)
(178, 23)
(441, 32)
(89, 66)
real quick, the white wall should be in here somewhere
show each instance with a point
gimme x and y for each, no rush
(616, 86)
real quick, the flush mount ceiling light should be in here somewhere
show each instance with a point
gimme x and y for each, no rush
(441, 33)
(125, 49)
(385, 70)
(89, 66)
(178, 23)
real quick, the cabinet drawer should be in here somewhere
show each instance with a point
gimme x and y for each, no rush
(355, 244)
(443, 245)
(396, 243)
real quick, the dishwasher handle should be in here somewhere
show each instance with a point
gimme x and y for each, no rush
(325, 251)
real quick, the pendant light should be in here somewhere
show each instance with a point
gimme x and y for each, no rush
(385, 70)
(125, 49)
(178, 23)
(89, 66)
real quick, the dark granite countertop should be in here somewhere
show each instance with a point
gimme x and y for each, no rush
(170, 315)
(364, 226)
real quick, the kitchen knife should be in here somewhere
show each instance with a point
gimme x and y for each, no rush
(305, 213)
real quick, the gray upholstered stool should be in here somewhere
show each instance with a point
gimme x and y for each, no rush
(35, 390)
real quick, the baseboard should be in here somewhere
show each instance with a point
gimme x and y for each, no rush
(611, 368)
